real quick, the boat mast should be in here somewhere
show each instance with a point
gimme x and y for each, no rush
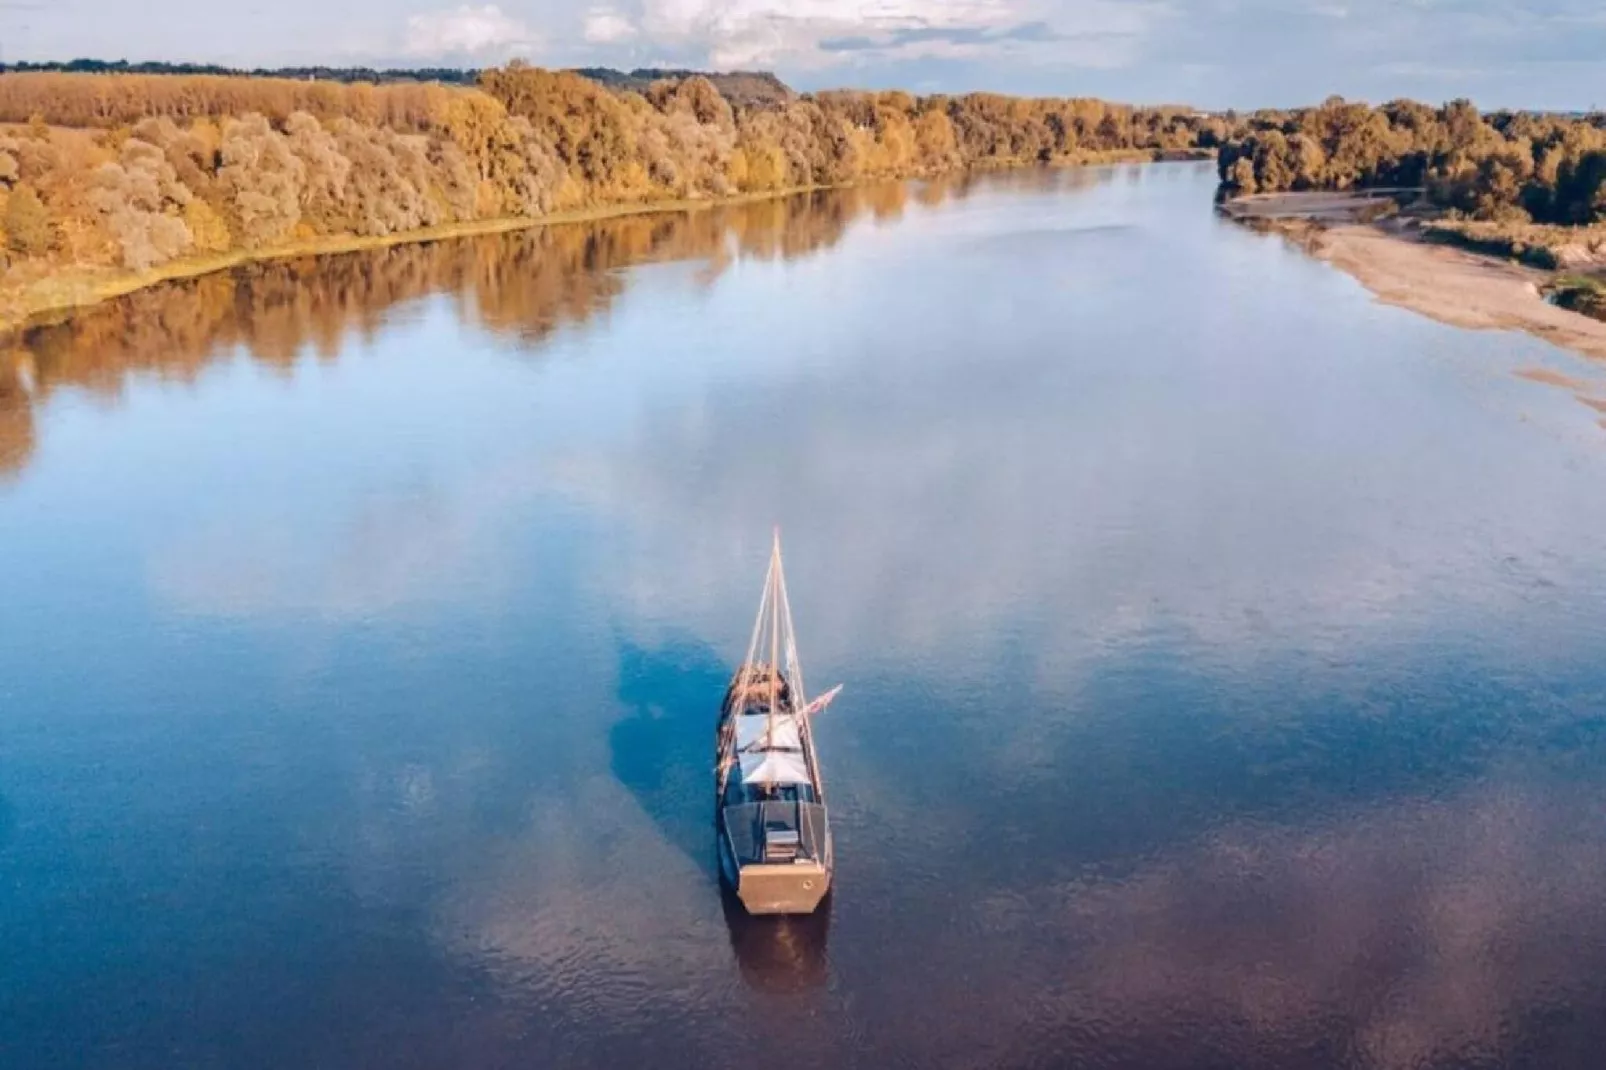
(749, 663)
(794, 666)
(772, 592)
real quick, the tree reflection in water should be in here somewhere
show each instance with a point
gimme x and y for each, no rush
(522, 285)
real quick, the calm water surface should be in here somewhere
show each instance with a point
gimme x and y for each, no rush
(1223, 652)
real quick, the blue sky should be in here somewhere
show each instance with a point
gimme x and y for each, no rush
(1216, 53)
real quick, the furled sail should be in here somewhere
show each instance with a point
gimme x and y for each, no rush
(779, 695)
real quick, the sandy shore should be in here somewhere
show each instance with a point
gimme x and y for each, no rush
(1551, 377)
(1454, 286)
(1390, 258)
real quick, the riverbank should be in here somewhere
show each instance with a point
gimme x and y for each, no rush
(28, 303)
(52, 294)
(1404, 263)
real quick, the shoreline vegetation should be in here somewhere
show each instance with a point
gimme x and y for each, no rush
(117, 177)
(1515, 184)
(110, 182)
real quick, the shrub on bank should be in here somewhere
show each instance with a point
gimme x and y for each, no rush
(29, 229)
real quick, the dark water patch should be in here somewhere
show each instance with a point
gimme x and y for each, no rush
(1149, 755)
(662, 751)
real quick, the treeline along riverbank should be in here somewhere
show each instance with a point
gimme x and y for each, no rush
(110, 181)
(1509, 183)
(110, 177)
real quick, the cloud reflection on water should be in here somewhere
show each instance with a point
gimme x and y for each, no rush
(1216, 647)
(1435, 932)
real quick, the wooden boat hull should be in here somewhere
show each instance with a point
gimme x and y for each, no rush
(797, 888)
(775, 888)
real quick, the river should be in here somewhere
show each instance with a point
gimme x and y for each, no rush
(1221, 650)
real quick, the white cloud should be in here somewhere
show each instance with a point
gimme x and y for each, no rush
(605, 26)
(822, 33)
(470, 30)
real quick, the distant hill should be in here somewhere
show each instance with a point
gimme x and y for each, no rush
(448, 75)
(739, 87)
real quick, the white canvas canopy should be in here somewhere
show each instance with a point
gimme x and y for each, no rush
(751, 727)
(774, 767)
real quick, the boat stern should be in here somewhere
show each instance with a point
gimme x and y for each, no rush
(783, 887)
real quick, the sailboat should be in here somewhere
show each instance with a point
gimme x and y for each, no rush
(774, 834)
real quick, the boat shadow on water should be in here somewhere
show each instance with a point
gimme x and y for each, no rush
(662, 752)
(779, 953)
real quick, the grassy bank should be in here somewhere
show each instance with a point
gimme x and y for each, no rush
(1579, 293)
(1550, 248)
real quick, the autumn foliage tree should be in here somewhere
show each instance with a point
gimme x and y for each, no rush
(1503, 166)
(137, 169)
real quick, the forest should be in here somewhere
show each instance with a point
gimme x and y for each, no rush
(129, 171)
(734, 84)
(114, 171)
(1505, 167)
